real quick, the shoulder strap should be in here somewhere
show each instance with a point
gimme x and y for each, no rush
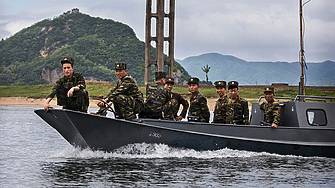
(146, 100)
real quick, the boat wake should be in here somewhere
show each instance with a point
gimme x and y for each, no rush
(147, 151)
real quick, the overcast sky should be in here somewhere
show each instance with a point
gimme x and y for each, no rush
(257, 30)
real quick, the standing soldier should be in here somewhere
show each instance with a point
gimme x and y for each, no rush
(159, 103)
(198, 103)
(70, 89)
(271, 108)
(126, 96)
(237, 108)
(169, 84)
(220, 109)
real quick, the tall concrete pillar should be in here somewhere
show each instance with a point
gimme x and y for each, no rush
(159, 39)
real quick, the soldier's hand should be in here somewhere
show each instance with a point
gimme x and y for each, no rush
(260, 103)
(70, 93)
(178, 118)
(47, 104)
(100, 104)
(274, 125)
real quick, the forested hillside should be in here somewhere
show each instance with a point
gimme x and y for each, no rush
(33, 55)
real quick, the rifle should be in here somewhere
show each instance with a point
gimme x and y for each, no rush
(109, 108)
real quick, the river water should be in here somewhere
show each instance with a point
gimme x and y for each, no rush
(32, 154)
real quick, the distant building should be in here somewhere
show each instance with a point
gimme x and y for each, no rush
(279, 84)
(75, 10)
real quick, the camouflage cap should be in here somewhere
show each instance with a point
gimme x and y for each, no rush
(120, 66)
(220, 84)
(269, 89)
(232, 84)
(67, 60)
(169, 80)
(160, 75)
(193, 80)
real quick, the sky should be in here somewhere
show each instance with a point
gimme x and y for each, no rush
(257, 30)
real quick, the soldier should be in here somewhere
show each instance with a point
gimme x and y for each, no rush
(70, 89)
(126, 96)
(220, 110)
(237, 108)
(159, 100)
(169, 84)
(198, 103)
(271, 108)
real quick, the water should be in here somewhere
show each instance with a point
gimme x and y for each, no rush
(32, 154)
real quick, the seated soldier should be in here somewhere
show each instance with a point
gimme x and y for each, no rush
(69, 89)
(198, 103)
(169, 84)
(126, 96)
(220, 110)
(159, 103)
(237, 107)
(271, 108)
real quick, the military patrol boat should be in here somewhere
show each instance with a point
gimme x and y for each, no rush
(307, 128)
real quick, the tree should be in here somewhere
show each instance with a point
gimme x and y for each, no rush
(206, 70)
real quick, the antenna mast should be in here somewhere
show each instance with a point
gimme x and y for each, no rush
(302, 52)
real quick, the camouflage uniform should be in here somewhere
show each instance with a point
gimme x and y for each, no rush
(126, 97)
(271, 112)
(237, 111)
(271, 109)
(220, 110)
(79, 101)
(198, 107)
(179, 99)
(159, 100)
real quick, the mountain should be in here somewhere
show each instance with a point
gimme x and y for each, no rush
(33, 55)
(227, 67)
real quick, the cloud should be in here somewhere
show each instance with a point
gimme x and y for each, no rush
(258, 30)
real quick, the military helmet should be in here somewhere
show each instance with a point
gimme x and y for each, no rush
(120, 66)
(232, 84)
(193, 80)
(269, 89)
(160, 75)
(220, 84)
(169, 80)
(67, 60)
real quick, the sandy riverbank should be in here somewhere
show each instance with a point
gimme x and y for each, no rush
(25, 101)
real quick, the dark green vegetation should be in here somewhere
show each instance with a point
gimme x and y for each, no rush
(94, 89)
(226, 67)
(32, 56)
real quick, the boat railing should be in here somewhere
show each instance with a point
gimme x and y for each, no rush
(314, 98)
(304, 97)
(286, 98)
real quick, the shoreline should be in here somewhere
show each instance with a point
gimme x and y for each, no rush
(27, 101)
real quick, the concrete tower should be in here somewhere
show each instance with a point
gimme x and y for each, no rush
(161, 18)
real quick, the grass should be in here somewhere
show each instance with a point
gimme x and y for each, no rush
(41, 91)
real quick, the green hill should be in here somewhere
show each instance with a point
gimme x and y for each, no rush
(227, 67)
(32, 56)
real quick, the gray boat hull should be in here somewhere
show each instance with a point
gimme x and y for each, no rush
(107, 134)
